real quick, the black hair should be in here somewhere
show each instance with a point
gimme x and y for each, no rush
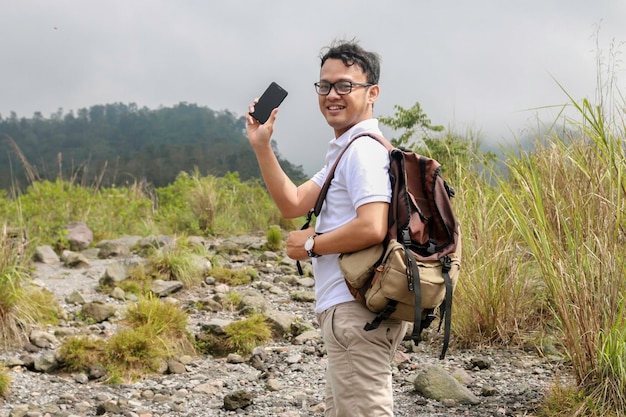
(351, 53)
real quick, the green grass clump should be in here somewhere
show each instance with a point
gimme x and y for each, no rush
(166, 321)
(192, 205)
(5, 382)
(244, 335)
(132, 353)
(13, 274)
(109, 212)
(231, 300)
(153, 332)
(241, 337)
(179, 263)
(274, 239)
(79, 353)
(562, 401)
(41, 306)
(233, 277)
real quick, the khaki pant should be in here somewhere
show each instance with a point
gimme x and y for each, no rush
(358, 377)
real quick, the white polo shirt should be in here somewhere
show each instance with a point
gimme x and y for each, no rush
(362, 176)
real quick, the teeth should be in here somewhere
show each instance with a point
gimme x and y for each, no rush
(335, 108)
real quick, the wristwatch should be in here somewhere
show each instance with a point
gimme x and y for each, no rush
(308, 246)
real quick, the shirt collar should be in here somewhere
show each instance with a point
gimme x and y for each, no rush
(336, 145)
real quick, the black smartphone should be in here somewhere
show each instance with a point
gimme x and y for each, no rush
(269, 100)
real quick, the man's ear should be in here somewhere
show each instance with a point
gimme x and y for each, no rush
(372, 93)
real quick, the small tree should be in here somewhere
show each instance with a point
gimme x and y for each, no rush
(411, 120)
(449, 148)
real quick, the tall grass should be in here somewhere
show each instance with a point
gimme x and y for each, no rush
(567, 201)
(11, 277)
(21, 305)
(109, 212)
(498, 298)
(216, 206)
(191, 205)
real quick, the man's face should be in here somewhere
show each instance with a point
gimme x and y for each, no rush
(344, 111)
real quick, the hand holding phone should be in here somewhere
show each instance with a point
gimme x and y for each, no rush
(269, 100)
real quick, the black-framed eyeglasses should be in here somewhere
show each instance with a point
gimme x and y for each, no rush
(341, 87)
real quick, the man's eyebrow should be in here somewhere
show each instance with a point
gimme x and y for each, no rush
(338, 81)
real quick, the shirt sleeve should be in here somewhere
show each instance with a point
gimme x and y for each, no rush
(319, 177)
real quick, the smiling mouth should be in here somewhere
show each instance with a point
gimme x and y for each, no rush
(332, 108)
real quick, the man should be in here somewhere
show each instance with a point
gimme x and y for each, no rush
(354, 216)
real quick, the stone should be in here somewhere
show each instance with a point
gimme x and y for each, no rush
(46, 362)
(308, 337)
(435, 383)
(118, 293)
(98, 311)
(480, 363)
(43, 339)
(75, 260)
(117, 247)
(175, 367)
(107, 407)
(79, 236)
(75, 298)
(114, 273)
(282, 321)
(238, 399)
(304, 296)
(46, 255)
(162, 288)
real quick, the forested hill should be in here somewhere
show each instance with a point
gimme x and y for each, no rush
(122, 144)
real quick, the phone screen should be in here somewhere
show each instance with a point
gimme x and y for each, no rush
(269, 100)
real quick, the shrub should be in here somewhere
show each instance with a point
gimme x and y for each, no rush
(216, 206)
(109, 212)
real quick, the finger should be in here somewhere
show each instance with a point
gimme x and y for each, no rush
(273, 115)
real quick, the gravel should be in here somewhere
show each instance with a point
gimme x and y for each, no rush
(289, 382)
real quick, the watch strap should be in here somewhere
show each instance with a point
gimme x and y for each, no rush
(310, 251)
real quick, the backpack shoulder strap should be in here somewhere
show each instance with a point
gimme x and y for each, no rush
(331, 174)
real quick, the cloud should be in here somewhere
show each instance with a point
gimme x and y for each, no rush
(480, 64)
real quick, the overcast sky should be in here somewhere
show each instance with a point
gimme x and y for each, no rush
(481, 64)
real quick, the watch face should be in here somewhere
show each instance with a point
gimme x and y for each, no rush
(308, 245)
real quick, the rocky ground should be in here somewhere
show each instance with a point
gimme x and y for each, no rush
(284, 378)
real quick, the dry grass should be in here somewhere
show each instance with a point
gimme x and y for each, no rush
(568, 201)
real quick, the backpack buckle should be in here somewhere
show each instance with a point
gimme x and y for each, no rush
(405, 234)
